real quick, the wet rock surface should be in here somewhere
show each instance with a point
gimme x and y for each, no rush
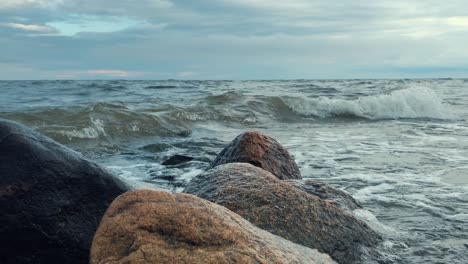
(51, 199)
(285, 210)
(157, 227)
(261, 151)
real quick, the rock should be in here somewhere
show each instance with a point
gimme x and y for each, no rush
(156, 147)
(51, 198)
(261, 151)
(157, 227)
(285, 210)
(326, 192)
(177, 159)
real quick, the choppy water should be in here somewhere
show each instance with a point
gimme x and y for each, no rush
(398, 146)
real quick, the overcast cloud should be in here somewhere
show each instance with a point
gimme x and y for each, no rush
(243, 39)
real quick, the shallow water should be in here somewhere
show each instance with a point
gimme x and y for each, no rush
(398, 146)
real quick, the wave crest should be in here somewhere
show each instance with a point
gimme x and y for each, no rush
(415, 102)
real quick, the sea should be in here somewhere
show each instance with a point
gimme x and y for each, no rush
(399, 147)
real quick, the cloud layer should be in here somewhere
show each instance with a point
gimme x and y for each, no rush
(227, 39)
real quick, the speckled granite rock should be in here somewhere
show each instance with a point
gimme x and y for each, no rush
(157, 227)
(261, 151)
(285, 210)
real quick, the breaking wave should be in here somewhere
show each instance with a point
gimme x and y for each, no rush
(416, 102)
(101, 122)
(118, 121)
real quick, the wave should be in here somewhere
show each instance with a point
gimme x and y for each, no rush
(110, 122)
(155, 87)
(410, 103)
(101, 122)
(224, 98)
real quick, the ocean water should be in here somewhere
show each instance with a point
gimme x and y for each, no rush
(400, 147)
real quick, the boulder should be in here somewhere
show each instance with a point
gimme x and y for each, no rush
(261, 151)
(157, 227)
(51, 198)
(284, 210)
(326, 192)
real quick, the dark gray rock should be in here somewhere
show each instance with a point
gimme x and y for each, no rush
(261, 151)
(177, 159)
(285, 210)
(326, 192)
(51, 198)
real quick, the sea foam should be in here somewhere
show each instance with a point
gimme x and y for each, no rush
(415, 102)
(91, 132)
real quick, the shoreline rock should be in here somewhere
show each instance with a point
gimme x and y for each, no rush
(51, 198)
(261, 151)
(156, 227)
(285, 210)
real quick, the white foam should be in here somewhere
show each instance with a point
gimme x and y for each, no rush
(93, 131)
(191, 174)
(458, 217)
(370, 219)
(415, 102)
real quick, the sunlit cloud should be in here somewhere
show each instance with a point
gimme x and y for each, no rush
(458, 21)
(34, 28)
(79, 23)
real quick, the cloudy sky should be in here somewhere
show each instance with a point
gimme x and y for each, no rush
(232, 39)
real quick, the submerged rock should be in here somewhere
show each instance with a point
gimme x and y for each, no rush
(51, 198)
(261, 151)
(177, 159)
(285, 210)
(158, 227)
(326, 192)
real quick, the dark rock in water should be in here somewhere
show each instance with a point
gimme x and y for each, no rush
(51, 199)
(166, 177)
(261, 151)
(158, 227)
(285, 210)
(156, 148)
(177, 159)
(326, 192)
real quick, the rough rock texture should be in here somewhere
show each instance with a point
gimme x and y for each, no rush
(177, 159)
(51, 199)
(326, 192)
(261, 151)
(158, 227)
(284, 210)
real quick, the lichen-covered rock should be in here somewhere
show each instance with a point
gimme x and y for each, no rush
(326, 192)
(51, 199)
(261, 151)
(158, 227)
(285, 210)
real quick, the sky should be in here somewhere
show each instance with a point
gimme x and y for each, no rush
(227, 39)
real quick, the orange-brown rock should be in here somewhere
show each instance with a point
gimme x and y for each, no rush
(285, 210)
(157, 227)
(261, 151)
